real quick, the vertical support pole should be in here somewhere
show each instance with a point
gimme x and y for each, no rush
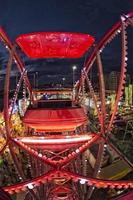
(97, 167)
(93, 95)
(102, 92)
(122, 73)
(6, 93)
(83, 91)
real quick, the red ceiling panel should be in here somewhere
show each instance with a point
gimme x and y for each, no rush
(55, 44)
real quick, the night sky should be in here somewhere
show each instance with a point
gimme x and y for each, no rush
(87, 16)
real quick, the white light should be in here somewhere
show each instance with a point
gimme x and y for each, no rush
(74, 67)
(119, 192)
(30, 186)
(122, 18)
(77, 151)
(108, 102)
(126, 58)
(65, 39)
(40, 155)
(82, 181)
(119, 103)
(119, 31)
(105, 145)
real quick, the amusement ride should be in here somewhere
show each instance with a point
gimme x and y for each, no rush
(65, 151)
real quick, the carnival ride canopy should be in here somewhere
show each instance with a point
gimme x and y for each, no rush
(55, 44)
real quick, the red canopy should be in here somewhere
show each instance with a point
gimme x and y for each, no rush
(54, 44)
(55, 119)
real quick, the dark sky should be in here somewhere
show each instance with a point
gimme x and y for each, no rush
(91, 16)
(88, 16)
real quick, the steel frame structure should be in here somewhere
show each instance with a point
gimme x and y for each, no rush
(56, 171)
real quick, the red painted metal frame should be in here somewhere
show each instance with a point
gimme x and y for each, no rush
(60, 164)
(55, 174)
(55, 44)
(92, 94)
(4, 38)
(99, 47)
(106, 39)
(95, 55)
(12, 55)
(63, 161)
(102, 92)
(122, 73)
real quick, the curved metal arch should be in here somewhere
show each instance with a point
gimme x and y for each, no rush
(62, 162)
(105, 40)
(55, 174)
(74, 177)
(5, 39)
(6, 112)
(116, 29)
(101, 45)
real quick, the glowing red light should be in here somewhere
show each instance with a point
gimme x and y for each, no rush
(55, 44)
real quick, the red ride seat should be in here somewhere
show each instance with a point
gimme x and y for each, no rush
(62, 119)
